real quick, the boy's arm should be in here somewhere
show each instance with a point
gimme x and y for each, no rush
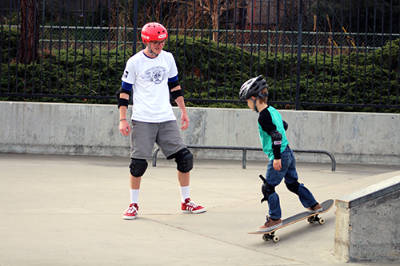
(265, 121)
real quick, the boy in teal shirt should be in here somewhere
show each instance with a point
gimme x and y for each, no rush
(282, 163)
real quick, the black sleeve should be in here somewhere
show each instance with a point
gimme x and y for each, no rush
(265, 121)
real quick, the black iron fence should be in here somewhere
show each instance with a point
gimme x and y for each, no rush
(315, 54)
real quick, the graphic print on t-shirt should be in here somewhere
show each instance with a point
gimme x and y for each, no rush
(126, 73)
(155, 74)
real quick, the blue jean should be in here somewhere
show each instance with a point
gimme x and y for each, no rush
(288, 172)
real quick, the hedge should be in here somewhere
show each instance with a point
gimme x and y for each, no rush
(210, 71)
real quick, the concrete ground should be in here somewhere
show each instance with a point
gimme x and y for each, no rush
(66, 210)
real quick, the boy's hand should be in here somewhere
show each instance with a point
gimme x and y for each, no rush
(277, 165)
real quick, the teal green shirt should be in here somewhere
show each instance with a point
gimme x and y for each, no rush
(266, 140)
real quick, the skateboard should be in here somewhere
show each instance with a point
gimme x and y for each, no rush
(311, 218)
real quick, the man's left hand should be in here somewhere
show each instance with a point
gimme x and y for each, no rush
(184, 121)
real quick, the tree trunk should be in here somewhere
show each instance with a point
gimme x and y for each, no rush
(29, 40)
(215, 22)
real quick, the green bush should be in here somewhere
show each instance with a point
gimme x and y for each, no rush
(211, 75)
(8, 44)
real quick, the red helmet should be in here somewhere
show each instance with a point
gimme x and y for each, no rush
(154, 31)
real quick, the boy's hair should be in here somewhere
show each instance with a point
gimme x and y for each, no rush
(263, 96)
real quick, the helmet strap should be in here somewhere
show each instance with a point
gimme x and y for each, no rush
(255, 104)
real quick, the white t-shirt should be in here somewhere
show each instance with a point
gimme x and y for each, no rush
(150, 92)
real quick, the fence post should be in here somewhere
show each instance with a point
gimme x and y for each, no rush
(299, 50)
(135, 18)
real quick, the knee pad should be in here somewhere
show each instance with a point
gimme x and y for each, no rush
(184, 160)
(293, 187)
(267, 190)
(138, 167)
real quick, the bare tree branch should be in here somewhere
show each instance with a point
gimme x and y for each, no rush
(212, 9)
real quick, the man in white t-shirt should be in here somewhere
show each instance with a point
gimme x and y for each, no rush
(150, 77)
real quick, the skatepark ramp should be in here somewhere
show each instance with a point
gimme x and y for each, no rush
(367, 223)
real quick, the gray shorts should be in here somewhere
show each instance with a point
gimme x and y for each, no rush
(165, 134)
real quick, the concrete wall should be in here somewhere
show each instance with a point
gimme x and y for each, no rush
(367, 224)
(81, 129)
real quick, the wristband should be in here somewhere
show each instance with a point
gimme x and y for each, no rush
(122, 119)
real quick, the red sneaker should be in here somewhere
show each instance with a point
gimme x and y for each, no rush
(190, 207)
(131, 212)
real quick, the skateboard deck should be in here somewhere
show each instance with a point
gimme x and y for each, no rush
(311, 218)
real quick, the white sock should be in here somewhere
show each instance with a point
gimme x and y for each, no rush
(134, 195)
(185, 193)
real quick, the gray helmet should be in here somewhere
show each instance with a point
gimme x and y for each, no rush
(253, 87)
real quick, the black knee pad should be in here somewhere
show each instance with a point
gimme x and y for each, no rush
(293, 187)
(267, 190)
(184, 160)
(138, 167)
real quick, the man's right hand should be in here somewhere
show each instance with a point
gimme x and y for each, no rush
(124, 127)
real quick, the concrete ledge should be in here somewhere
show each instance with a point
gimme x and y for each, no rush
(92, 129)
(367, 223)
(370, 193)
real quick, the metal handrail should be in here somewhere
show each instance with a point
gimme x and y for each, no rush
(244, 153)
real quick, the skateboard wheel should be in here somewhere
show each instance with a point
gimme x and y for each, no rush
(310, 220)
(266, 237)
(275, 239)
(321, 221)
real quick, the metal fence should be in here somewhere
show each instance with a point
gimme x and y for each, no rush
(315, 54)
